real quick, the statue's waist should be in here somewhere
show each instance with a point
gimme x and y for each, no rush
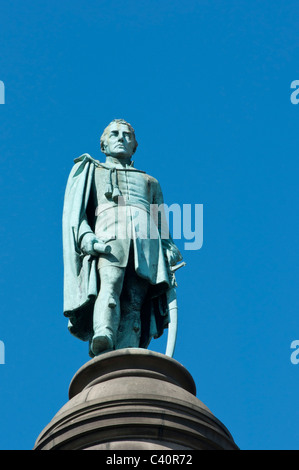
(124, 205)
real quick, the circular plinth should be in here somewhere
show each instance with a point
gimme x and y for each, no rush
(134, 399)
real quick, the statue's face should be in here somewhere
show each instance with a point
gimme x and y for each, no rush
(120, 141)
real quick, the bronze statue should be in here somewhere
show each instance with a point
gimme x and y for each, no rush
(119, 259)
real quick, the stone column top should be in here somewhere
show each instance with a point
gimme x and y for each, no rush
(131, 362)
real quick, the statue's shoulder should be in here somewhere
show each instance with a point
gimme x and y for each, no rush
(153, 181)
(80, 163)
(150, 178)
(85, 157)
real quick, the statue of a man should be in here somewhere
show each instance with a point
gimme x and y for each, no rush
(117, 263)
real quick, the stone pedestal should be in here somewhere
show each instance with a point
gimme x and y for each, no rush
(134, 399)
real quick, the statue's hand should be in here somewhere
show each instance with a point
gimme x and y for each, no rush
(93, 246)
(173, 255)
(101, 247)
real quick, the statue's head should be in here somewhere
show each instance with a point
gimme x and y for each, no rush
(118, 139)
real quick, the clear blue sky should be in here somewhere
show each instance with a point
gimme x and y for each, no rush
(206, 84)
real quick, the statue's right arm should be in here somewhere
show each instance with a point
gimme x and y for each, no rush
(86, 241)
(89, 244)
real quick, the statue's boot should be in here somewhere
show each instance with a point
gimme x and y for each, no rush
(105, 324)
(101, 343)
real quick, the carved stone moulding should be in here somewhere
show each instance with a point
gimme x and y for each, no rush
(134, 399)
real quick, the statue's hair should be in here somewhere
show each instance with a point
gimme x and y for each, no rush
(106, 130)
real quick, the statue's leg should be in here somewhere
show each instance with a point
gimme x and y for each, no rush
(134, 292)
(106, 315)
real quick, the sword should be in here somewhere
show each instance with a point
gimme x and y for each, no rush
(173, 315)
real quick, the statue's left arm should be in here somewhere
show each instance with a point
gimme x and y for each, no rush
(170, 249)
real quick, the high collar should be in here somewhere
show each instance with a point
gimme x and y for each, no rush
(113, 162)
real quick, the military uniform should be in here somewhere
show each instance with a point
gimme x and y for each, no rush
(114, 204)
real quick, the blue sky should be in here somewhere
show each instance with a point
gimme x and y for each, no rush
(206, 84)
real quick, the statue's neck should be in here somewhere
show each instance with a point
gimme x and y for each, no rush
(113, 161)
